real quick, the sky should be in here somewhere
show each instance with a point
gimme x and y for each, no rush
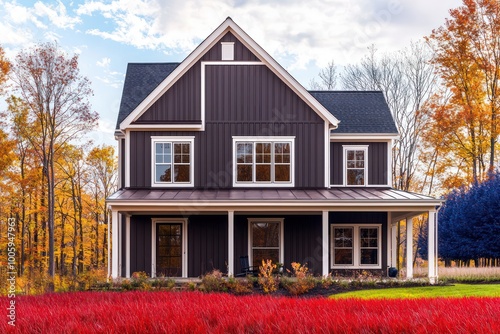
(303, 36)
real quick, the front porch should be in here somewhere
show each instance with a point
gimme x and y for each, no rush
(214, 233)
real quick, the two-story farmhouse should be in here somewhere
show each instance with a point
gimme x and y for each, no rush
(226, 155)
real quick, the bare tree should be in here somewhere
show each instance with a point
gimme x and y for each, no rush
(56, 95)
(407, 80)
(328, 78)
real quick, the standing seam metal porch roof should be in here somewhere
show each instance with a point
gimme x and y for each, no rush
(337, 195)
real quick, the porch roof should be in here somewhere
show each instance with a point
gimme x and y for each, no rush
(339, 196)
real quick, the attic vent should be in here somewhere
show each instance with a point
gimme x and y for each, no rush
(227, 50)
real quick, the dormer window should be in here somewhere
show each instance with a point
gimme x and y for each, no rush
(355, 165)
(227, 50)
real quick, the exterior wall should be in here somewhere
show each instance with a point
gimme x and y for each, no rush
(361, 218)
(140, 244)
(231, 110)
(207, 244)
(182, 102)
(377, 162)
(122, 163)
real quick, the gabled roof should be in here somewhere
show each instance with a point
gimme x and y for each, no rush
(140, 80)
(360, 112)
(227, 26)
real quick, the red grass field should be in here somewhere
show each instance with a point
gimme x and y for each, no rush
(194, 312)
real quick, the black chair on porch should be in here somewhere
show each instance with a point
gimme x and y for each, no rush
(246, 269)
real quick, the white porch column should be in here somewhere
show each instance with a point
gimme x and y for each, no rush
(432, 249)
(394, 244)
(127, 246)
(409, 247)
(230, 243)
(326, 264)
(114, 244)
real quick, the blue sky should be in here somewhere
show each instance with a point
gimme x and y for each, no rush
(303, 36)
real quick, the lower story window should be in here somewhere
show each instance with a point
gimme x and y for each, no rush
(266, 243)
(356, 246)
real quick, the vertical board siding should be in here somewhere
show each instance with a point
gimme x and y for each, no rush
(207, 244)
(303, 242)
(180, 104)
(240, 241)
(140, 244)
(242, 101)
(241, 52)
(362, 218)
(377, 162)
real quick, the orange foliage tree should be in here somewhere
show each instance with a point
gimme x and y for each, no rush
(464, 115)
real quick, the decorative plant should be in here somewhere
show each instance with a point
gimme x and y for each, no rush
(304, 280)
(268, 281)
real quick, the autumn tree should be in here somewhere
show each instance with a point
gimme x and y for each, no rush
(102, 180)
(467, 57)
(56, 95)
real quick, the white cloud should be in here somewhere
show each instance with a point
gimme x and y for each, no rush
(104, 62)
(294, 31)
(56, 14)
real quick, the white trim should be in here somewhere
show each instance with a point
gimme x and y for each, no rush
(389, 239)
(282, 236)
(115, 244)
(228, 26)
(431, 247)
(120, 185)
(389, 162)
(172, 140)
(346, 148)
(166, 127)
(363, 136)
(184, 222)
(230, 243)
(120, 241)
(356, 256)
(325, 242)
(260, 139)
(227, 50)
(327, 157)
(409, 247)
(127, 158)
(127, 246)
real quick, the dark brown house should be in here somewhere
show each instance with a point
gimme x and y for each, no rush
(226, 155)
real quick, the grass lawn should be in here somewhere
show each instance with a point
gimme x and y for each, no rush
(456, 290)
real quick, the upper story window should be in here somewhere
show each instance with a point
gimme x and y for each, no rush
(263, 161)
(172, 163)
(355, 165)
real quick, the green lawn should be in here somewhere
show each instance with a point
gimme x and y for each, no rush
(457, 290)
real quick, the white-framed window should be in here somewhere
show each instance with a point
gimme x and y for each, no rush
(355, 165)
(172, 161)
(265, 240)
(356, 246)
(263, 160)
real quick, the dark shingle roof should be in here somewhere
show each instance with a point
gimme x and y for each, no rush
(141, 79)
(358, 111)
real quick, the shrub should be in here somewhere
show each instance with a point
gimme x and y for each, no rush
(214, 282)
(327, 281)
(304, 280)
(240, 286)
(163, 283)
(268, 281)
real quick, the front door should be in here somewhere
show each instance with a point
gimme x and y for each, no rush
(169, 249)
